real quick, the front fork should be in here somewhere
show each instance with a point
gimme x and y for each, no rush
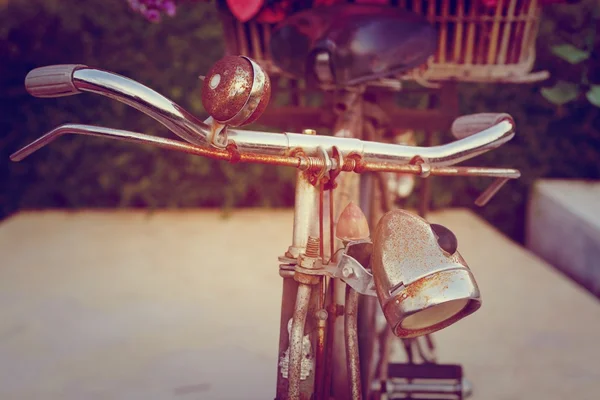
(309, 327)
(317, 320)
(298, 303)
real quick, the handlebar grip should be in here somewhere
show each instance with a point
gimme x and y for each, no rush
(52, 81)
(468, 125)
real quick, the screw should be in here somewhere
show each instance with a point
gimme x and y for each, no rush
(347, 271)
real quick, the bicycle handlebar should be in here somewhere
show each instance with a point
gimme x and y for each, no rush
(468, 125)
(52, 81)
(477, 134)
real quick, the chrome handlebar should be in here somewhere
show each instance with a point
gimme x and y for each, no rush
(291, 149)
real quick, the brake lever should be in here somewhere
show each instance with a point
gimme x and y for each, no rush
(490, 192)
(111, 133)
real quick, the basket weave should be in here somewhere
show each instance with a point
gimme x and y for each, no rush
(476, 43)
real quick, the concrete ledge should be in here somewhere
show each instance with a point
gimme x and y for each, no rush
(563, 227)
(185, 305)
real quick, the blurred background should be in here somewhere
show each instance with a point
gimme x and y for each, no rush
(137, 306)
(558, 120)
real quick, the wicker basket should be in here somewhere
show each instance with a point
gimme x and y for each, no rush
(477, 43)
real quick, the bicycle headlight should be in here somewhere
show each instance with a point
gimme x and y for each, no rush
(422, 282)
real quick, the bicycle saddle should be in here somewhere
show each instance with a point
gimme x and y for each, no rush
(351, 43)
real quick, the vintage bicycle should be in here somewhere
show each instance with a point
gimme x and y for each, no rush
(331, 344)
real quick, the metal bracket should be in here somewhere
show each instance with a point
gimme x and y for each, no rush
(355, 275)
(348, 269)
(337, 159)
(217, 136)
(328, 165)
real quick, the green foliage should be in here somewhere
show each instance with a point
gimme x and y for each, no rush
(86, 172)
(593, 95)
(576, 27)
(570, 53)
(559, 139)
(562, 92)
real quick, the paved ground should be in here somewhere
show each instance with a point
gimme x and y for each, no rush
(184, 305)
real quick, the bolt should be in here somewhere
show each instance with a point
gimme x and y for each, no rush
(313, 247)
(309, 132)
(321, 314)
(347, 271)
(306, 261)
(425, 169)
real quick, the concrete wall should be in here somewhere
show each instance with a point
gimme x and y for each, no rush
(563, 227)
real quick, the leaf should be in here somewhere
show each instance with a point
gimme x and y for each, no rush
(570, 53)
(590, 37)
(593, 95)
(561, 93)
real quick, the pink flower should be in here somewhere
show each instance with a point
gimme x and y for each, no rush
(152, 10)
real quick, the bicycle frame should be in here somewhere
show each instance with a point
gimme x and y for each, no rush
(296, 298)
(311, 305)
(312, 279)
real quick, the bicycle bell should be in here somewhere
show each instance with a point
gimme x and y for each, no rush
(422, 282)
(235, 92)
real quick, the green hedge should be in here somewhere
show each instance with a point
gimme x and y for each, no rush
(87, 172)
